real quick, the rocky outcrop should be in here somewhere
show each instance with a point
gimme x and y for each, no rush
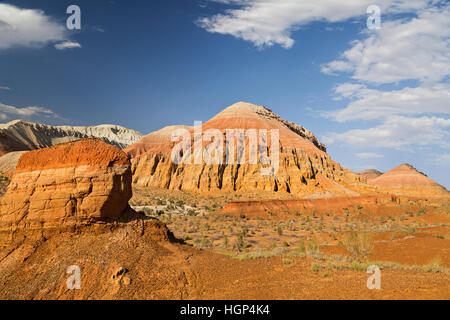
(304, 169)
(19, 135)
(407, 181)
(64, 186)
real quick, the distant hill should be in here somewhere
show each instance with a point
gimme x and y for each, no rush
(406, 180)
(370, 174)
(20, 135)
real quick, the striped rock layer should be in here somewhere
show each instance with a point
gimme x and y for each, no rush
(304, 165)
(61, 187)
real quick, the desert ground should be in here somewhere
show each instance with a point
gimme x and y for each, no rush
(406, 238)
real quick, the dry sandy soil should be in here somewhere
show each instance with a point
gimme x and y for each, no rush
(295, 249)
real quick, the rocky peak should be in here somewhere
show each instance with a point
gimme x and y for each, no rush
(252, 111)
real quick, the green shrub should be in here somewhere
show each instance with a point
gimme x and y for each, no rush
(315, 267)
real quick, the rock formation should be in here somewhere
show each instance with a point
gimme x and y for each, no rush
(60, 187)
(20, 135)
(305, 167)
(407, 181)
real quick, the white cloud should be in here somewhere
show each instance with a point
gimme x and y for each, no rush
(11, 112)
(269, 22)
(398, 132)
(67, 45)
(5, 88)
(443, 159)
(28, 28)
(368, 155)
(369, 104)
(337, 66)
(418, 48)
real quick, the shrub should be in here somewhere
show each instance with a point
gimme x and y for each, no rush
(359, 245)
(313, 246)
(192, 213)
(301, 247)
(205, 243)
(239, 244)
(280, 231)
(179, 204)
(315, 267)
(225, 241)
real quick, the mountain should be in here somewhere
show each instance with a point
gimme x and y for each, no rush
(305, 167)
(406, 180)
(20, 135)
(370, 174)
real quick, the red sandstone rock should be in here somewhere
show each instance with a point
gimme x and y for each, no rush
(66, 185)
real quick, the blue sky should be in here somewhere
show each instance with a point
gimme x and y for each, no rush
(377, 98)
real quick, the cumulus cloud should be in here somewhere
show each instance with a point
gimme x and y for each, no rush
(67, 45)
(368, 155)
(28, 28)
(270, 22)
(11, 112)
(370, 104)
(398, 132)
(415, 49)
(405, 49)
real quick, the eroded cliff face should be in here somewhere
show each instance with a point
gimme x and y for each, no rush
(61, 187)
(298, 173)
(304, 166)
